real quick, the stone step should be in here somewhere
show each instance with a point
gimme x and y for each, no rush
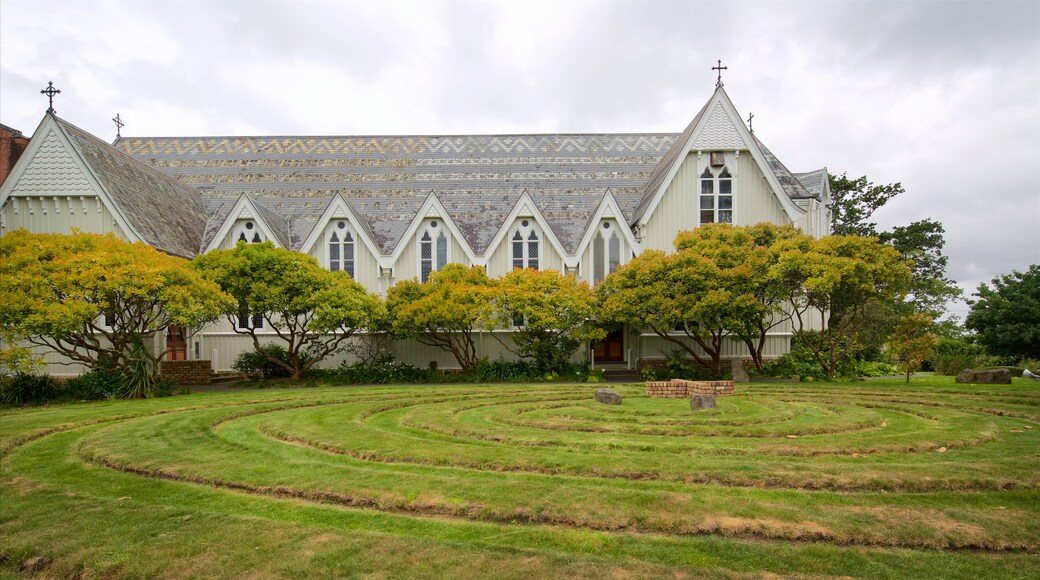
(225, 377)
(622, 376)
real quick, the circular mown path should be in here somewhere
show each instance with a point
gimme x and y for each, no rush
(948, 472)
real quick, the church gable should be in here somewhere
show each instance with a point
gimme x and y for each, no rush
(716, 171)
(52, 169)
(50, 189)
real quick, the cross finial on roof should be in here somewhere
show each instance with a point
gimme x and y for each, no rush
(749, 117)
(719, 68)
(50, 91)
(119, 125)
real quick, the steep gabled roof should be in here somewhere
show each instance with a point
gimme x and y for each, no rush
(814, 182)
(164, 212)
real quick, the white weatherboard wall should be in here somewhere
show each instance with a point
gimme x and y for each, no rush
(678, 210)
(366, 268)
(500, 262)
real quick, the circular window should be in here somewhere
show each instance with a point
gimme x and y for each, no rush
(433, 224)
(606, 225)
(524, 223)
(249, 225)
(341, 225)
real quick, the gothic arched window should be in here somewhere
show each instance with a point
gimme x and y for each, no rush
(526, 245)
(433, 249)
(341, 247)
(716, 199)
(606, 251)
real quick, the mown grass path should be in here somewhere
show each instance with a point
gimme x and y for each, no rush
(866, 480)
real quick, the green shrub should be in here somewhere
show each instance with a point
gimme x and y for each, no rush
(953, 355)
(29, 388)
(254, 365)
(94, 385)
(383, 370)
(799, 363)
(868, 368)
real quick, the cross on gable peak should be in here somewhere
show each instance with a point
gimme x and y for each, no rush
(50, 91)
(719, 68)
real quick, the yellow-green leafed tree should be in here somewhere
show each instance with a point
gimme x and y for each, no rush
(681, 297)
(97, 299)
(312, 311)
(832, 281)
(553, 313)
(446, 311)
(913, 341)
(744, 258)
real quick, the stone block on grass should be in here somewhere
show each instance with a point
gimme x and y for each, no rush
(608, 396)
(698, 402)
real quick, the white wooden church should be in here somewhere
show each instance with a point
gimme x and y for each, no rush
(398, 207)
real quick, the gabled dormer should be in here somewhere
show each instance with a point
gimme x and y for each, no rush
(251, 222)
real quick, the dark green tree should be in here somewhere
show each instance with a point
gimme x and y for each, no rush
(854, 201)
(1006, 317)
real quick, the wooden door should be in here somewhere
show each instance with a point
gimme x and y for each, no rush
(611, 348)
(176, 345)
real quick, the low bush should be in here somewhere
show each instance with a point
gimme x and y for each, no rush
(254, 365)
(94, 385)
(383, 370)
(952, 355)
(798, 363)
(29, 388)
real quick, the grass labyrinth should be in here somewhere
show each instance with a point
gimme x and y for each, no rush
(873, 479)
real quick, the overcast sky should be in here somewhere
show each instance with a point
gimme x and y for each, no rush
(941, 96)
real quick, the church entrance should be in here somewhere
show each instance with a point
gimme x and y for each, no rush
(611, 348)
(176, 345)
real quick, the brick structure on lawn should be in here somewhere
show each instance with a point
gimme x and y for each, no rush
(187, 372)
(682, 388)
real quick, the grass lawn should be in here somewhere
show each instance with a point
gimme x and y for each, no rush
(877, 479)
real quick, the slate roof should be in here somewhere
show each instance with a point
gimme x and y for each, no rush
(815, 182)
(168, 214)
(791, 185)
(385, 180)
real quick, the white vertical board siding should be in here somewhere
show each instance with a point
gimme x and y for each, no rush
(756, 201)
(366, 268)
(407, 264)
(58, 215)
(501, 261)
(677, 210)
(653, 346)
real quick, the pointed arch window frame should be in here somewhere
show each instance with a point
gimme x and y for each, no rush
(247, 230)
(433, 248)
(341, 246)
(526, 244)
(716, 196)
(607, 253)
